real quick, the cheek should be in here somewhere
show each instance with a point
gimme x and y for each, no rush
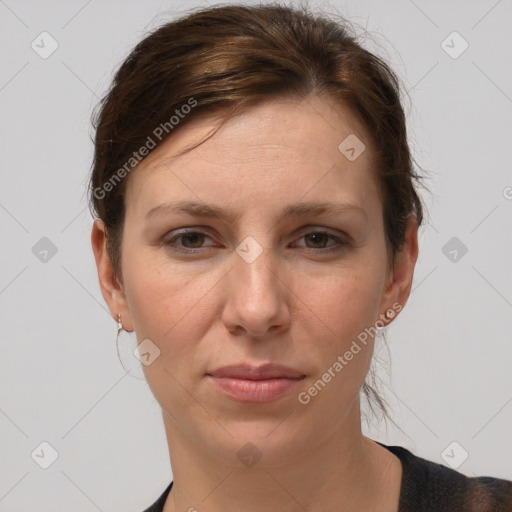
(162, 301)
(173, 306)
(169, 309)
(158, 293)
(343, 309)
(345, 301)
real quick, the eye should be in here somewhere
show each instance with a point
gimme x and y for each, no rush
(193, 241)
(320, 238)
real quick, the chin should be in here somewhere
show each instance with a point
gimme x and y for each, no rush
(263, 443)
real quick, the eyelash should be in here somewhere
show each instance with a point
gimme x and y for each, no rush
(168, 242)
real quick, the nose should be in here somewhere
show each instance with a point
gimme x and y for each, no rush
(259, 299)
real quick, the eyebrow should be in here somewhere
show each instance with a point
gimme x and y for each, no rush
(296, 210)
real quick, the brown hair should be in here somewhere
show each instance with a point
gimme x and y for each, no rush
(228, 58)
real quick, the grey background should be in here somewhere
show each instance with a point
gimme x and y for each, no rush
(60, 378)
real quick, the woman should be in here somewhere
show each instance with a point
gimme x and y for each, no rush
(257, 225)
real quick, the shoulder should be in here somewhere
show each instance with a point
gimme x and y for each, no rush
(432, 487)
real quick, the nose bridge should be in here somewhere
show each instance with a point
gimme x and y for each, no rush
(255, 267)
(257, 304)
(257, 300)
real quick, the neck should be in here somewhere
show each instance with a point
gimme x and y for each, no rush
(343, 472)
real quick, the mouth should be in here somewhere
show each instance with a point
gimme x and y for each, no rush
(252, 385)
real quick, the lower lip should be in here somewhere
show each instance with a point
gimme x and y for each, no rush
(254, 391)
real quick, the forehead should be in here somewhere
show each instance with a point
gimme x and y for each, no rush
(282, 147)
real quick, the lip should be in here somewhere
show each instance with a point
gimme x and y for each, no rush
(251, 385)
(265, 371)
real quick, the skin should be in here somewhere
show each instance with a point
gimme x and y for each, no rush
(297, 304)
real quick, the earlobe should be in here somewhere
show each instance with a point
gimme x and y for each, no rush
(111, 289)
(399, 286)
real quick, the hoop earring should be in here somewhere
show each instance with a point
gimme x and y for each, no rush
(127, 348)
(119, 325)
(119, 329)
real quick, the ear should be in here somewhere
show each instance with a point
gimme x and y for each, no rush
(111, 289)
(399, 282)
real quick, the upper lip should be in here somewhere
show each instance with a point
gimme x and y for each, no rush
(265, 371)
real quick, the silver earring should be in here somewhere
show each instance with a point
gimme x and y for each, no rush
(127, 351)
(119, 325)
(119, 329)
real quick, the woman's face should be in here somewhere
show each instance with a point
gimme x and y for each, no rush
(259, 286)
